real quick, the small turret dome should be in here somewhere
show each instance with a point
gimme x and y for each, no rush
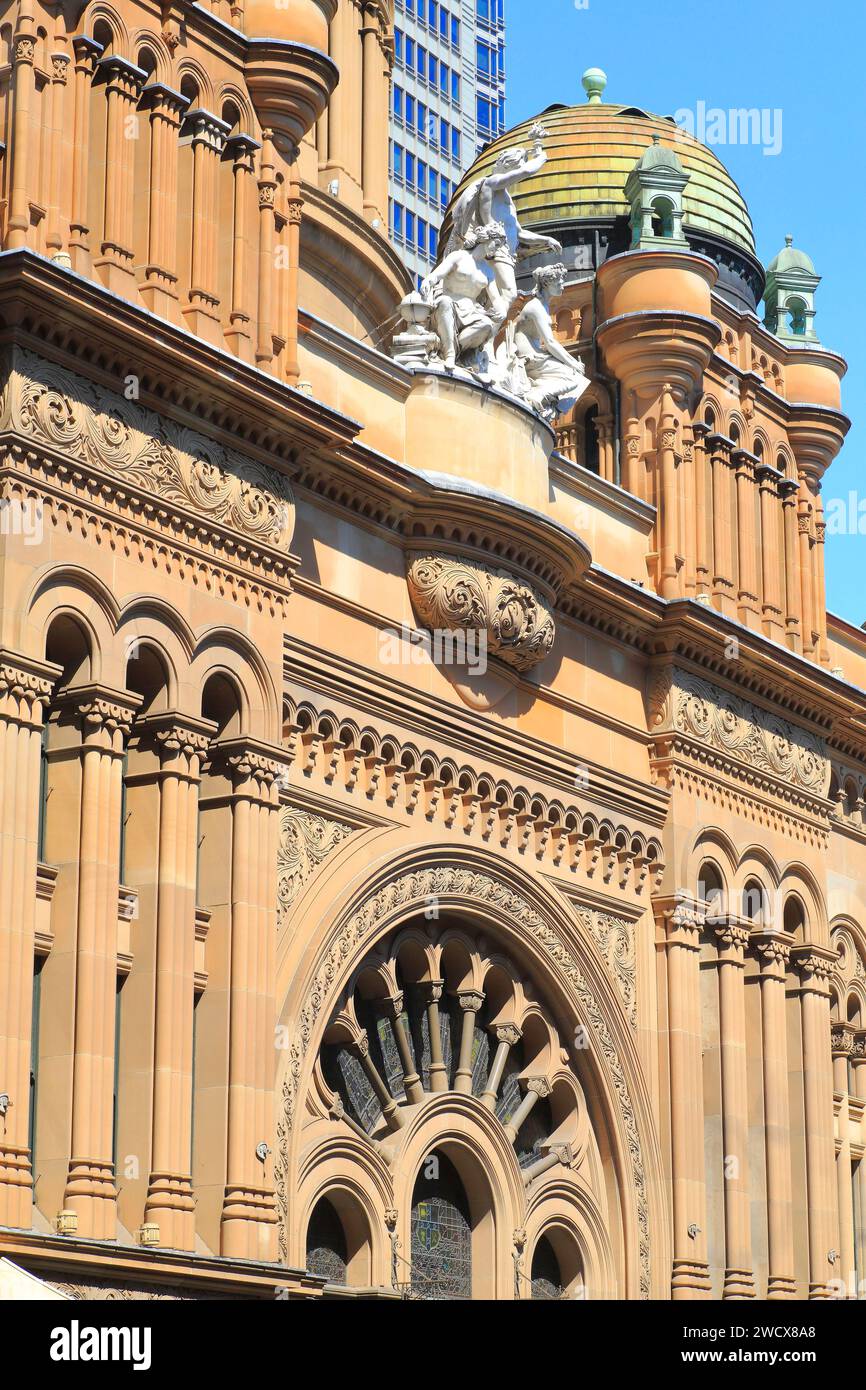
(790, 258)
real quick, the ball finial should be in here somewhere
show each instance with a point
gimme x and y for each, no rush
(594, 82)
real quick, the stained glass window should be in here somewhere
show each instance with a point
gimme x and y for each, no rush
(441, 1250)
(326, 1244)
(546, 1276)
(345, 1075)
(533, 1132)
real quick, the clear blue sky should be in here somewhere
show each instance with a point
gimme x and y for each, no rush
(804, 58)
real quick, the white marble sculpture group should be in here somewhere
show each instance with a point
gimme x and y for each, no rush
(461, 320)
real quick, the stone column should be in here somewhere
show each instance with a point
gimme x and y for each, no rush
(294, 213)
(267, 188)
(180, 744)
(842, 1045)
(681, 920)
(772, 555)
(103, 717)
(858, 1089)
(748, 608)
(470, 1002)
(57, 230)
(823, 652)
(249, 1213)
(702, 510)
(773, 949)
(668, 543)
(238, 334)
(374, 139)
(537, 1088)
(807, 604)
(815, 964)
(25, 688)
(788, 490)
(115, 263)
(23, 150)
(86, 53)
(507, 1036)
(723, 558)
(732, 938)
(438, 1071)
(201, 310)
(411, 1080)
(159, 290)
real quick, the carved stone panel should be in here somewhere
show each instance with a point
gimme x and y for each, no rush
(453, 593)
(737, 731)
(306, 840)
(103, 430)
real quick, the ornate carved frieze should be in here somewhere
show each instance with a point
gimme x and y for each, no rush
(102, 430)
(442, 883)
(732, 734)
(306, 840)
(454, 593)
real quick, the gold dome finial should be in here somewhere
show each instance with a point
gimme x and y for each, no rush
(594, 82)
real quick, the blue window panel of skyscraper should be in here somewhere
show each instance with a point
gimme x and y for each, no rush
(421, 63)
(443, 134)
(398, 44)
(455, 86)
(410, 226)
(432, 70)
(410, 53)
(455, 32)
(433, 185)
(443, 22)
(433, 241)
(422, 120)
(455, 144)
(397, 160)
(422, 234)
(410, 169)
(443, 78)
(482, 9)
(483, 113)
(482, 57)
(398, 102)
(422, 177)
(432, 12)
(397, 219)
(410, 110)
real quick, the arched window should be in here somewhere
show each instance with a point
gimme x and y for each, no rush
(663, 217)
(327, 1251)
(797, 311)
(441, 1232)
(711, 890)
(546, 1276)
(590, 440)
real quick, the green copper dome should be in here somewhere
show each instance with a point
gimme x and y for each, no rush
(789, 258)
(592, 148)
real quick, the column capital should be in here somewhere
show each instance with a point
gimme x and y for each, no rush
(86, 50)
(538, 1086)
(25, 687)
(732, 935)
(206, 129)
(858, 1046)
(164, 101)
(105, 716)
(470, 1000)
(508, 1033)
(773, 949)
(431, 990)
(681, 918)
(122, 76)
(253, 765)
(842, 1039)
(816, 965)
(175, 735)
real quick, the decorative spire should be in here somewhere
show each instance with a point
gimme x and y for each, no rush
(789, 295)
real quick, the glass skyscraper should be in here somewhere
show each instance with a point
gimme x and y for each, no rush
(447, 102)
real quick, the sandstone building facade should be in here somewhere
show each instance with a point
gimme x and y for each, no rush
(328, 965)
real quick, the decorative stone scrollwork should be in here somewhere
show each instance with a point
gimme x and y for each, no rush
(615, 939)
(105, 431)
(683, 703)
(306, 840)
(450, 592)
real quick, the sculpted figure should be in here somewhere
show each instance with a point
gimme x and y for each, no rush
(489, 200)
(467, 304)
(539, 368)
